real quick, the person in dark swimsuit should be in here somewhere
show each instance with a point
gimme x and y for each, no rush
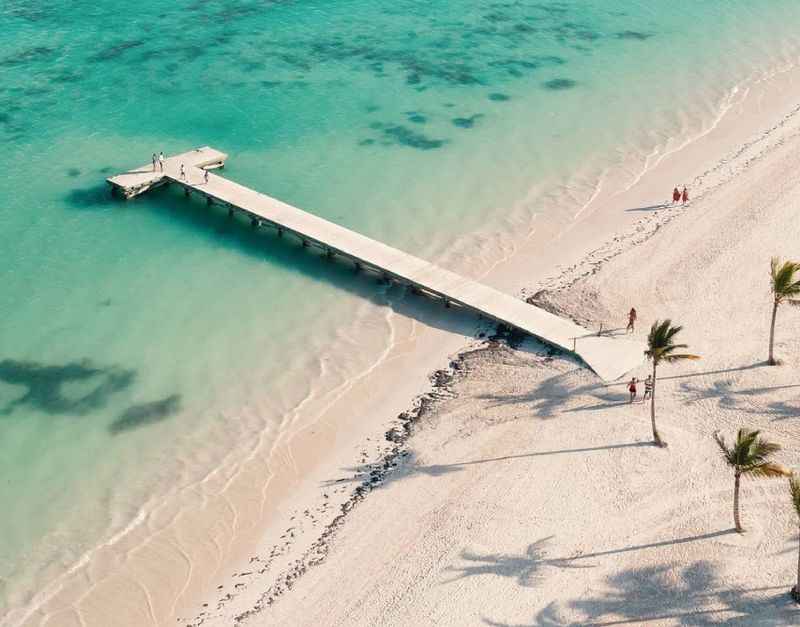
(676, 195)
(631, 320)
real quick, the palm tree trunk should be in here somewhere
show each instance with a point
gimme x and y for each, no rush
(797, 586)
(771, 360)
(656, 437)
(796, 591)
(737, 523)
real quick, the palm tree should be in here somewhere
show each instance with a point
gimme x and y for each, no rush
(794, 489)
(661, 347)
(749, 457)
(784, 288)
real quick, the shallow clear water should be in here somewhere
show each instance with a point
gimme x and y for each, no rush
(140, 342)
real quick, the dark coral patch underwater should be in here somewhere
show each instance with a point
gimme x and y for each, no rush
(559, 84)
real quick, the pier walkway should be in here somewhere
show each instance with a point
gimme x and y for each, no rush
(610, 357)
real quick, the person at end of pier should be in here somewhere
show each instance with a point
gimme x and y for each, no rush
(183, 172)
(631, 320)
(205, 176)
(648, 388)
(154, 162)
(676, 195)
(632, 388)
(161, 160)
(685, 196)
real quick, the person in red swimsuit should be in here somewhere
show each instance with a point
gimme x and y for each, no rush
(676, 195)
(632, 388)
(685, 196)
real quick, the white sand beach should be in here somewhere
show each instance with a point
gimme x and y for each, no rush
(530, 493)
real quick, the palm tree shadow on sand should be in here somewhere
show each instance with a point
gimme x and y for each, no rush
(526, 568)
(553, 395)
(384, 473)
(670, 594)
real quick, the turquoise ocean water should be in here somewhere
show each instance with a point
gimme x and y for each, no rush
(141, 343)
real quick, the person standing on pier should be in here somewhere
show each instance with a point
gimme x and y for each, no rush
(205, 176)
(685, 196)
(161, 160)
(183, 172)
(154, 162)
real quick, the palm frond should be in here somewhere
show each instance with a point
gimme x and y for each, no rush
(661, 343)
(794, 490)
(680, 357)
(750, 454)
(762, 449)
(727, 453)
(782, 274)
(767, 470)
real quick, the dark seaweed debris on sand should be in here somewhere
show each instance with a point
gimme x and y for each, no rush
(407, 422)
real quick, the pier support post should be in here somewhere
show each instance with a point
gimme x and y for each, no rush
(254, 222)
(358, 266)
(209, 201)
(186, 192)
(230, 212)
(305, 243)
(447, 303)
(280, 232)
(329, 254)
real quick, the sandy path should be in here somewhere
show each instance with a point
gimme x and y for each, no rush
(533, 497)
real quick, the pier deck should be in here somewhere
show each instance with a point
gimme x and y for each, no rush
(610, 357)
(146, 177)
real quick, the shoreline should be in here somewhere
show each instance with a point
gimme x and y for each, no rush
(374, 474)
(300, 481)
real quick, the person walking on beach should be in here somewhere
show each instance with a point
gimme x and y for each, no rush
(632, 388)
(648, 388)
(183, 172)
(685, 196)
(676, 195)
(154, 162)
(631, 320)
(161, 160)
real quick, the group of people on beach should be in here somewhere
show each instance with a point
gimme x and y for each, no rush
(648, 388)
(680, 196)
(158, 160)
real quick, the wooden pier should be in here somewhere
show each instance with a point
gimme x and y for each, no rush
(610, 357)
